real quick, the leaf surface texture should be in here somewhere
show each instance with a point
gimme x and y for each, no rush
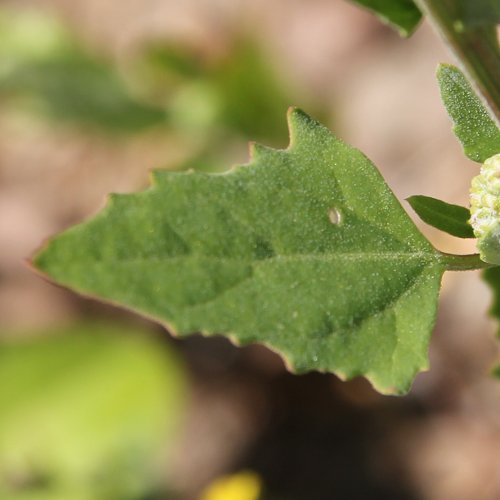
(475, 129)
(452, 219)
(305, 250)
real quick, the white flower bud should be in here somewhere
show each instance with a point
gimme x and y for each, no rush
(485, 209)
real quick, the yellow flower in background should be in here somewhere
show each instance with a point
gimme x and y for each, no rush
(241, 486)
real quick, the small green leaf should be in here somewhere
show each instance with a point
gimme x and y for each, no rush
(305, 250)
(402, 15)
(474, 42)
(43, 69)
(492, 277)
(473, 125)
(452, 219)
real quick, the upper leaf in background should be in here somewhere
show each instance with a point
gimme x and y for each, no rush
(480, 12)
(43, 68)
(403, 15)
(211, 100)
(492, 277)
(469, 27)
(238, 92)
(305, 250)
(473, 126)
(452, 219)
(87, 412)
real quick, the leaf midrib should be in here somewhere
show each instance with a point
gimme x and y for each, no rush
(352, 256)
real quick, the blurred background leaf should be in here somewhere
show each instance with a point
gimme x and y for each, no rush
(237, 91)
(480, 12)
(210, 100)
(403, 15)
(470, 30)
(43, 68)
(87, 412)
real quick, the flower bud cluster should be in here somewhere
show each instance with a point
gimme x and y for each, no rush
(485, 209)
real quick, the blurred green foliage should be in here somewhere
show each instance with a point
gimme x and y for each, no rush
(45, 69)
(87, 413)
(238, 92)
(479, 12)
(208, 99)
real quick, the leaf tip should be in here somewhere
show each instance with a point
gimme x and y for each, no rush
(30, 262)
(388, 390)
(296, 116)
(155, 177)
(257, 150)
(300, 124)
(291, 111)
(113, 198)
(443, 68)
(36, 262)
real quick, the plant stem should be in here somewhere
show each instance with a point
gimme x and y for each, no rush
(469, 262)
(476, 48)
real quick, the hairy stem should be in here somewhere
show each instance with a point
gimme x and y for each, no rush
(469, 262)
(476, 48)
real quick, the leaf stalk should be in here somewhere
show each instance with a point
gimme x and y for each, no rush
(470, 262)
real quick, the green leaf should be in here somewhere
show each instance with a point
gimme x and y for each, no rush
(44, 69)
(239, 93)
(480, 12)
(305, 250)
(88, 412)
(492, 277)
(452, 219)
(474, 42)
(473, 126)
(402, 15)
